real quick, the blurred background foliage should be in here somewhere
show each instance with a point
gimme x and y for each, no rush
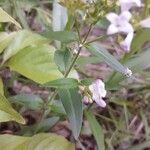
(47, 38)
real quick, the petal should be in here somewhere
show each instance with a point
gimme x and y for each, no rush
(100, 102)
(125, 45)
(98, 89)
(126, 28)
(112, 17)
(128, 4)
(112, 29)
(145, 23)
(125, 15)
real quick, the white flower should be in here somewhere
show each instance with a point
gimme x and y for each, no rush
(145, 23)
(119, 23)
(128, 4)
(125, 45)
(98, 92)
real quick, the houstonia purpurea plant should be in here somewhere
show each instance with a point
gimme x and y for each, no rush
(50, 56)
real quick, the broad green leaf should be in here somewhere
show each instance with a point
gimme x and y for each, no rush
(35, 63)
(62, 59)
(96, 130)
(42, 141)
(71, 100)
(12, 142)
(4, 17)
(28, 100)
(62, 36)
(63, 83)
(101, 52)
(1, 87)
(5, 39)
(22, 39)
(7, 113)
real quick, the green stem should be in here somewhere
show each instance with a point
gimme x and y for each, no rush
(67, 72)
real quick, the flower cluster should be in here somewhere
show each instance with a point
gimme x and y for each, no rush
(120, 23)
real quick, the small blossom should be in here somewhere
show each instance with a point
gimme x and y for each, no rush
(98, 92)
(145, 23)
(128, 4)
(125, 45)
(119, 23)
(128, 72)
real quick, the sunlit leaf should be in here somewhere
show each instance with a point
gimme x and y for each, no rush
(40, 141)
(22, 39)
(7, 113)
(4, 17)
(35, 63)
(1, 87)
(5, 39)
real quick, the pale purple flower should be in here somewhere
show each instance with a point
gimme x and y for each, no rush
(119, 23)
(145, 23)
(125, 45)
(128, 4)
(98, 92)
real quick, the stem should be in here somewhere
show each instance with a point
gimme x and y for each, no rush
(67, 72)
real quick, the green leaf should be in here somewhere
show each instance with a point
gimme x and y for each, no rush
(21, 40)
(136, 64)
(37, 142)
(62, 59)
(12, 142)
(62, 36)
(7, 113)
(46, 124)
(28, 100)
(1, 87)
(4, 17)
(71, 100)
(100, 52)
(96, 130)
(35, 63)
(5, 39)
(63, 83)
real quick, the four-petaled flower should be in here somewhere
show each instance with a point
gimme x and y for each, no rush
(98, 91)
(119, 23)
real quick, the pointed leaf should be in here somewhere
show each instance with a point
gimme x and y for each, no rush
(101, 52)
(7, 113)
(71, 100)
(96, 130)
(62, 83)
(4, 17)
